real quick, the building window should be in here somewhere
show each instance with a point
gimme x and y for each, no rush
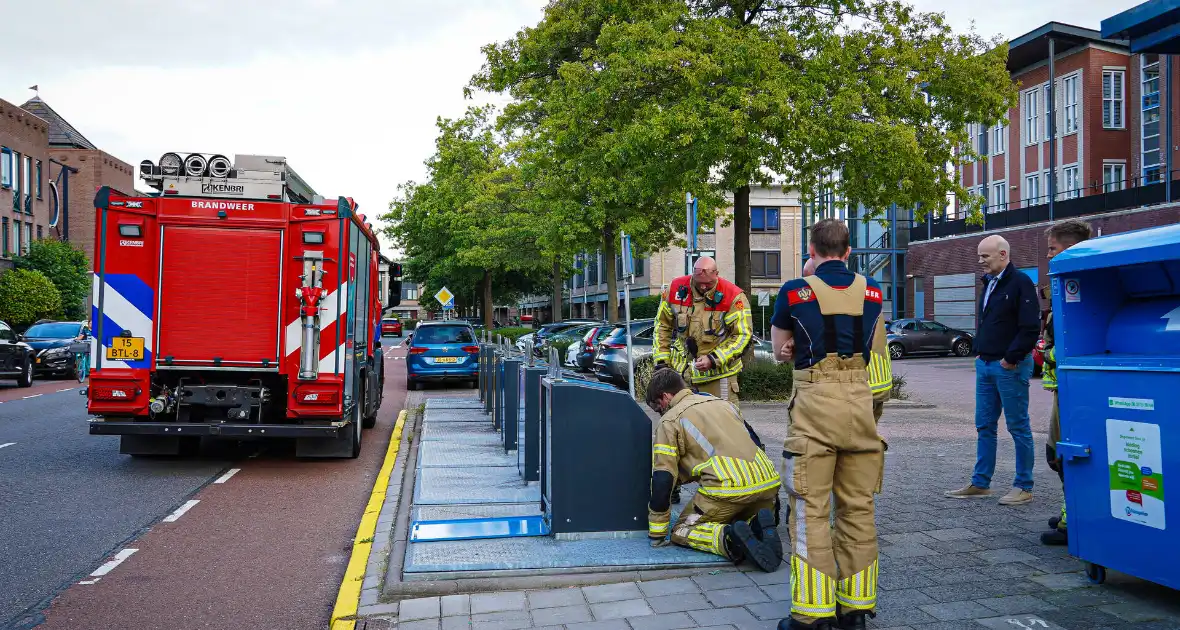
(1114, 177)
(1032, 190)
(1073, 182)
(39, 179)
(1048, 100)
(1071, 103)
(4, 244)
(1150, 132)
(409, 291)
(40, 233)
(1113, 87)
(16, 178)
(1031, 117)
(999, 198)
(592, 280)
(27, 184)
(764, 219)
(981, 139)
(6, 166)
(16, 238)
(28, 237)
(764, 265)
(999, 138)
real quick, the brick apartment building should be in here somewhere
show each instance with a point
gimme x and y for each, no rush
(48, 175)
(1110, 159)
(776, 256)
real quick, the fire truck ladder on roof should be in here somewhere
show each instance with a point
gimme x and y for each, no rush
(259, 177)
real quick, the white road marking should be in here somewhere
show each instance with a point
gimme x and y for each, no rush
(7, 444)
(109, 566)
(229, 473)
(68, 389)
(33, 396)
(175, 516)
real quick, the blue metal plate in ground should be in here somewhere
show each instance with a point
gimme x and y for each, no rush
(478, 528)
(453, 403)
(466, 511)
(461, 432)
(546, 552)
(443, 454)
(500, 484)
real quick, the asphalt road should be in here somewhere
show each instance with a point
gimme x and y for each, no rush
(176, 543)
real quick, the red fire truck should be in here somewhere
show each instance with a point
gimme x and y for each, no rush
(236, 303)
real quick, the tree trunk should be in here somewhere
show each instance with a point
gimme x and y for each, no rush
(555, 300)
(487, 300)
(741, 239)
(612, 285)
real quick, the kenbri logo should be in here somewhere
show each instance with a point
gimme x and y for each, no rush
(226, 189)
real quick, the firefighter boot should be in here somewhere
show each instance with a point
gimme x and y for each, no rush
(741, 544)
(855, 620)
(823, 623)
(764, 525)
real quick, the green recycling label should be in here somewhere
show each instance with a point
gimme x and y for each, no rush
(1136, 472)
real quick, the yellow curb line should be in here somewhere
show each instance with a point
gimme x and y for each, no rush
(348, 600)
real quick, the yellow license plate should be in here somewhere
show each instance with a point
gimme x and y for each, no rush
(446, 360)
(125, 349)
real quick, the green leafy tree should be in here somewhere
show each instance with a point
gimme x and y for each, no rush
(646, 99)
(465, 227)
(27, 296)
(67, 267)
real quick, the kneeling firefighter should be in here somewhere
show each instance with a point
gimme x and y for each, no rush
(830, 325)
(701, 438)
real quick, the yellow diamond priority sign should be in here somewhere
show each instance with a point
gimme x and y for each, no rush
(444, 296)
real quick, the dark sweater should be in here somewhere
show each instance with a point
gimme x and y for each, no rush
(1007, 329)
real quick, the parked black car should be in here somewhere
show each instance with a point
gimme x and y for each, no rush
(16, 357)
(923, 336)
(56, 344)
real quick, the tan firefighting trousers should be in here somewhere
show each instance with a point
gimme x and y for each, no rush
(832, 450)
(714, 388)
(703, 520)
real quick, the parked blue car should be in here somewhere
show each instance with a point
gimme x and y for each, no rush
(442, 352)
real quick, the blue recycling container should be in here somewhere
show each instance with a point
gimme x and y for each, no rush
(1116, 305)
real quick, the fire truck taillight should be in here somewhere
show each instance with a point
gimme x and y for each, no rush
(322, 397)
(114, 393)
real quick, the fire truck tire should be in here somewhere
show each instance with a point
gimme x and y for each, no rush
(370, 419)
(357, 421)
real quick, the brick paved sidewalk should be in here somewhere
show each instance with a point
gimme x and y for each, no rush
(946, 564)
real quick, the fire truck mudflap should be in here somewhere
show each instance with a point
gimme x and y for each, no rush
(243, 319)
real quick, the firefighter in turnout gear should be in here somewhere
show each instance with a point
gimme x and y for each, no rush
(1061, 237)
(880, 365)
(703, 326)
(830, 325)
(702, 439)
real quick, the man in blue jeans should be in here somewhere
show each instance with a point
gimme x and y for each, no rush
(1007, 325)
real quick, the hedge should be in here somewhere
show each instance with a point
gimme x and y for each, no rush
(763, 379)
(512, 333)
(27, 296)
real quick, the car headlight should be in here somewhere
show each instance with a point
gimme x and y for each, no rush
(53, 352)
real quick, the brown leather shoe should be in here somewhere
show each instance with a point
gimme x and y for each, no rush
(1016, 496)
(969, 492)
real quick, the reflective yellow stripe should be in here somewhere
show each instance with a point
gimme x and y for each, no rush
(707, 537)
(812, 592)
(880, 373)
(740, 491)
(859, 592)
(657, 528)
(664, 449)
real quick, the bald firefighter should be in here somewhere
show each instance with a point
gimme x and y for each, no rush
(830, 324)
(702, 439)
(702, 328)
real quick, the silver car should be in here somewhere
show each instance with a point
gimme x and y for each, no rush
(610, 359)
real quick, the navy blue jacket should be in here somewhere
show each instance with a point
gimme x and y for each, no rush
(1008, 328)
(796, 310)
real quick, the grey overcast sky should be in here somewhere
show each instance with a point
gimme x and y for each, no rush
(347, 90)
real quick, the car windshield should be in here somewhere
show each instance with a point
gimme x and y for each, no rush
(443, 334)
(390, 321)
(58, 330)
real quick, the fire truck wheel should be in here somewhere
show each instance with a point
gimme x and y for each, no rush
(370, 419)
(358, 412)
